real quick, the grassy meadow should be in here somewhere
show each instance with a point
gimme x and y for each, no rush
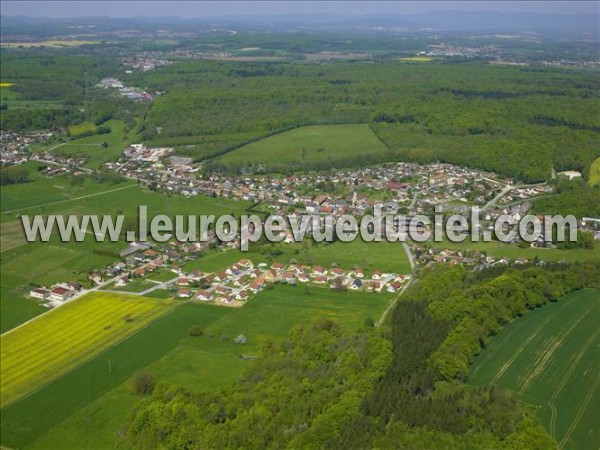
(382, 256)
(499, 249)
(309, 143)
(97, 148)
(24, 266)
(41, 351)
(549, 358)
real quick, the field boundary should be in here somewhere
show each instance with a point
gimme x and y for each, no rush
(579, 415)
(95, 194)
(542, 360)
(84, 362)
(564, 380)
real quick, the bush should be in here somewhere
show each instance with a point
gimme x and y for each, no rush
(195, 331)
(143, 383)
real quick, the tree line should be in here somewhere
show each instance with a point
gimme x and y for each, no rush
(396, 387)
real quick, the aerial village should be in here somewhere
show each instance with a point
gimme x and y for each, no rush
(398, 188)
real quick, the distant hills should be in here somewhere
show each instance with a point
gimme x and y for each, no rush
(453, 21)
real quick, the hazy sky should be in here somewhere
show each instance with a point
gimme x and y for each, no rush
(192, 9)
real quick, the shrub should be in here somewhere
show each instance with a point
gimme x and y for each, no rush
(195, 331)
(143, 383)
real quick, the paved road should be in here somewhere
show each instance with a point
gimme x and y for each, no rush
(493, 201)
(411, 260)
(54, 163)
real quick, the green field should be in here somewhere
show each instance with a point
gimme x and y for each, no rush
(13, 100)
(310, 143)
(85, 127)
(38, 263)
(91, 147)
(45, 349)
(383, 256)
(550, 359)
(99, 396)
(499, 249)
(594, 179)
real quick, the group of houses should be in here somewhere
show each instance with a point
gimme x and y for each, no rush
(132, 93)
(59, 292)
(240, 281)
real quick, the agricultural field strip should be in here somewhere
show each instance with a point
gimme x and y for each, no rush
(580, 413)
(40, 353)
(70, 360)
(564, 380)
(63, 319)
(522, 347)
(555, 343)
(47, 360)
(95, 194)
(19, 355)
(102, 341)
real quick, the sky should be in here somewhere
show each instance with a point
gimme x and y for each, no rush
(194, 9)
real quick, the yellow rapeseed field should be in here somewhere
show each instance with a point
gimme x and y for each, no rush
(594, 178)
(46, 348)
(417, 59)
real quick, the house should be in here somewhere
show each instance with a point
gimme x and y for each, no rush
(270, 276)
(358, 273)
(356, 284)
(255, 287)
(319, 270)
(40, 293)
(303, 277)
(288, 277)
(220, 289)
(393, 287)
(183, 281)
(233, 270)
(196, 275)
(246, 263)
(321, 279)
(376, 275)
(122, 281)
(60, 293)
(221, 276)
(242, 295)
(227, 299)
(320, 199)
(184, 293)
(394, 186)
(337, 271)
(277, 266)
(138, 272)
(336, 283)
(374, 286)
(96, 277)
(204, 296)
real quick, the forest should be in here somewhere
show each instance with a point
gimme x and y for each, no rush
(518, 121)
(472, 114)
(401, 386)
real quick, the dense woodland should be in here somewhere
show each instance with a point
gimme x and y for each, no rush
(516, 121)
(400, 387)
